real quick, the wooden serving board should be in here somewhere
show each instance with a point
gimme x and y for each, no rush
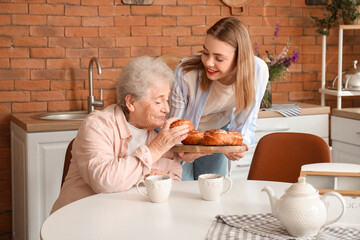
(213, 149)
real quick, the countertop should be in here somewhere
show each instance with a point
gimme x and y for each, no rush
(353, 113)
(30, 124)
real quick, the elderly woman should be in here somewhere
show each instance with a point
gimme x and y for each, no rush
(116, 147)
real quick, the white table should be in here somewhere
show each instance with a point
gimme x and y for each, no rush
(128, 215)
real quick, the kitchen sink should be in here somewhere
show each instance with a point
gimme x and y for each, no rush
(60, 116)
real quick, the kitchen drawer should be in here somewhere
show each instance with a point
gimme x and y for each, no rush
(313, 124)
(345, 153)
(345, 130)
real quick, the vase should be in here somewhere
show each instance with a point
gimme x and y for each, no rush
(266, 102)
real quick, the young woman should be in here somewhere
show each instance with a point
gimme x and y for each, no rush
(220, 87)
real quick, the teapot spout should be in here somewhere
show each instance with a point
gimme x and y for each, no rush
(273, 199)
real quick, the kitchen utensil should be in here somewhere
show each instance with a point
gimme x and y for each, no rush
(301, 209)
(352, 78)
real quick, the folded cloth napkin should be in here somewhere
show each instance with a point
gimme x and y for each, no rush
(287, 110)
(266, 227)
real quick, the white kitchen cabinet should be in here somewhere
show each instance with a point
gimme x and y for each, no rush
(345, 136)
(317, 124)
(37, 165)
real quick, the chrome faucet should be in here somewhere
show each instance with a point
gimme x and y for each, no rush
(92, 103)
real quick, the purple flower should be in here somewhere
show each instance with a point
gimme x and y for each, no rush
(257, 49)
(295, 56)
(277, 29)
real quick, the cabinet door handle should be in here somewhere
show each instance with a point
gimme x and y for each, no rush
(273, 129)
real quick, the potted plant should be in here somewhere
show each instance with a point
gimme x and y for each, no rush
(338, 12)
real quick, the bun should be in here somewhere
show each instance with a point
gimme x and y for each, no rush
(183, 122)
(194, 138)
(219, 137)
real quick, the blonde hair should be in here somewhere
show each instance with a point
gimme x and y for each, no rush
(232, 31)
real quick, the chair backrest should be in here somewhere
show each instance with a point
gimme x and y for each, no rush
(279, 156)
(68, 157)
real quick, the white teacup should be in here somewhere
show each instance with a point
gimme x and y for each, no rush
(158, 188)
(212, 186)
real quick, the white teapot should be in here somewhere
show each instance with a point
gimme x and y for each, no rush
(301, 209)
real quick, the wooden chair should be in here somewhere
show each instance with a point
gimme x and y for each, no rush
(68, 157)
(279, 156)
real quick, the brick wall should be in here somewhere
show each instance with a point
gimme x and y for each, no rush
(45, 47)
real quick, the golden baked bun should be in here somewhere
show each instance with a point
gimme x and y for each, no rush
(183, 122)
(194, 138)
(219, 137)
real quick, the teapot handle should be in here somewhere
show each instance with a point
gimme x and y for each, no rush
(343, 205)
(335, 78)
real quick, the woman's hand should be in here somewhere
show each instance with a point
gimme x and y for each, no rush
(190, 157)
(235, 156)
(167, 138)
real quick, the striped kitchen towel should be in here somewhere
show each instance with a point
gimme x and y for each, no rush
(266, 227)
(287, 110)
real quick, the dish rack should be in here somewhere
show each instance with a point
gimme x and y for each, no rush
(339, 92)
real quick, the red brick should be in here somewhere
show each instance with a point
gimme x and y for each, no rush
(130, 21)
(81, 11)
(160, 21)
(15, 96)
(140, 51)
(29, 107)
(5, 19)
(81, 52)
(65, 85)
(191, 2)
(176, 31)
(39, 96)
(62, 63)
(176, 11)
(81, 31)
(289, 87)
(179, 51)
(262, 11)
(122, 31)
(296, 96)
(14, 31)
(46, 31)
(14, 74)
(46, 9)
(120, 62)
(162, 41)
(4, 63)
(205, 10)
(65, 42)
(114, 10)
(70, 2)
(29, 41)
(32, 85)
(277, 3)
(28, 20)
(145, 10)
(27, 63)
(190, 20)
(146, 31)
(6, 85)
(164, 2)
(65, 106)
(64, 21)
(5, 108)
(252, 21)
(97, 21)
(199, 30)
(187, 41)
(117, 52)
(13, 8)
(47, 74)
(97, 2)
(5, 41)
(105, 42)
(47, 52)
(131, 41)
(77, 94)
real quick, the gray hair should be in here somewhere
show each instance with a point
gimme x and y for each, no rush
(139, 75)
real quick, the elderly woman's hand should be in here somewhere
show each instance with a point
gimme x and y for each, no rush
(191, 156)
(167, 138)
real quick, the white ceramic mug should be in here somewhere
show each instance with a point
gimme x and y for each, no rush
(158, 188)
(212, 186)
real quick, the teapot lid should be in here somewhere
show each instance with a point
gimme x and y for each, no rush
(301, 188)
(354, 69)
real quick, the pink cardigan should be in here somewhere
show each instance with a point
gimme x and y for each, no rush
(100, 163)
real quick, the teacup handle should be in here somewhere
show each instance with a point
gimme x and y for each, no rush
(141, 192)
(229, 186)
(343, 204)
